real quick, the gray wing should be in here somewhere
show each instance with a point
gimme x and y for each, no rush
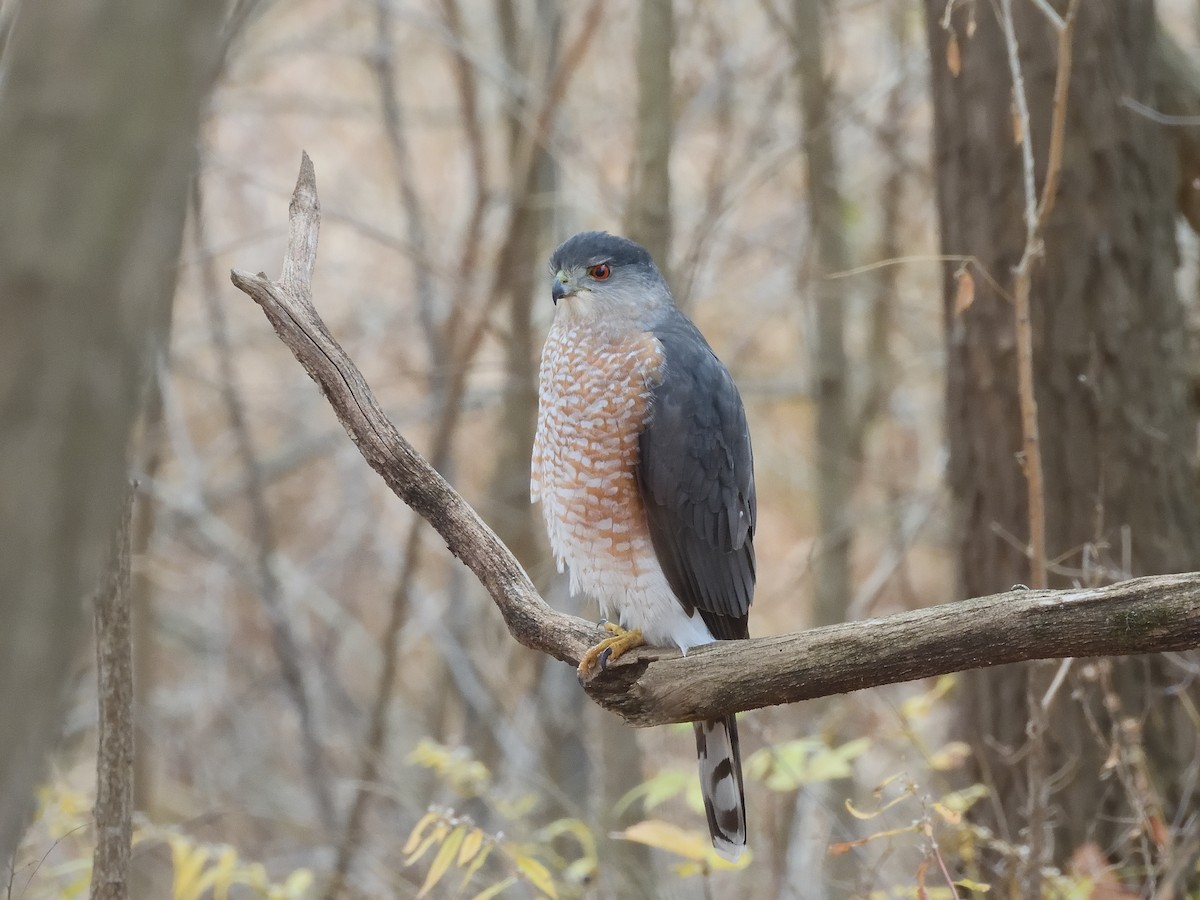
(696, 474)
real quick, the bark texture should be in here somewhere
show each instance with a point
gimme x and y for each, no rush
(99, 106)
(114, 754)
(1117, 425)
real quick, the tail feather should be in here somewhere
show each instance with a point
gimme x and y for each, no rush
(720, 759)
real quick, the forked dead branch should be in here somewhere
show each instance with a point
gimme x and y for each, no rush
(653, 686)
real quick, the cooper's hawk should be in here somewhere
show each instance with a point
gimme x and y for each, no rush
(643, 467)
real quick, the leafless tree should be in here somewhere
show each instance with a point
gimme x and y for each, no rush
(96, 151)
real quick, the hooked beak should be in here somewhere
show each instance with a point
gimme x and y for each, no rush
(561, 287)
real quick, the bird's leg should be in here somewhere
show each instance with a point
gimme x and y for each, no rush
(596, 660)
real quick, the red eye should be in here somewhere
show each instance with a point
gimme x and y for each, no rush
(600, 272)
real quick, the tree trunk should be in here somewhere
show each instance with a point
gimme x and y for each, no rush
(648, 213)
(835, 466)
(114, 752)
(99, 106)
(1117, 425)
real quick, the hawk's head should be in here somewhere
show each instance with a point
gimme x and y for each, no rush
(599, 277)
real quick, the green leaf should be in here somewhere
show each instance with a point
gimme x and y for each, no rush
(793, 764)
(657, 790)
(961, 801)
(833, 764)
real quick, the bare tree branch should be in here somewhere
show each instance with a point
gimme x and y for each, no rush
(657, 686)
(114, 753)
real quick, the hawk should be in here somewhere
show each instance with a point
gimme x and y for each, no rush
(643, 467)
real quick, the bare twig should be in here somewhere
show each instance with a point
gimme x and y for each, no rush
(1032, 456)
(114, 753)
(972, 261)
(655, 686)
(1037, 213)
(1050, 13)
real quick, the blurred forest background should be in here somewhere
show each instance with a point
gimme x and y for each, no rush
(836, 194)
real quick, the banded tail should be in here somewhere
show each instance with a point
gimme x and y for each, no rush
(720, 759)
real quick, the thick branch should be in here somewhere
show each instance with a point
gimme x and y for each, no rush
(653, 687)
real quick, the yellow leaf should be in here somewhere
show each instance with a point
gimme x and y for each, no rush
(223, 873)
(537, 875)
(922, 704)
(977, 886)
(585, 866)
(434, 837)
(951, 816)
(953, 55)
(581, 871)
(662, 835)
(454, 765)
(441, 862)
(298, 884)
(953, 755)
(188, 864)
(961, 801)
(517, 807)
(859, 814)
(418, 830)
(470, 846)
(691, 845)
(496, 888)
(475, 866)
(574, 827)
(255, 876)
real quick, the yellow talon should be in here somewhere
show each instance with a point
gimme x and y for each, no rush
(598, 658)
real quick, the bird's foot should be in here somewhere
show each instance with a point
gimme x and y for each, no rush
(596, 660)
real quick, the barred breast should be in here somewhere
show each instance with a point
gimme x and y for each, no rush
(594, 402)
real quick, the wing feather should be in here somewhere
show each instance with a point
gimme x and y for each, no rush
(696, 475)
